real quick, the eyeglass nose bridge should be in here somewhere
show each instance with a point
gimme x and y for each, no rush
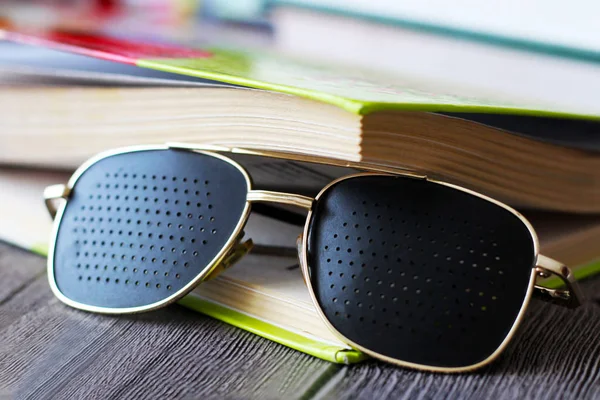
(296, 200)
(267, 196)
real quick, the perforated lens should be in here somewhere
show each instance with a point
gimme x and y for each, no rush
(140, 226)
(418, 271)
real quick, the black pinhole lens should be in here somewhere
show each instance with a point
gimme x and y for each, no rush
(97, 226)
(439, 280)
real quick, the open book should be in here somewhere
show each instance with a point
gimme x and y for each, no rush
(530, 155)
(266, 294)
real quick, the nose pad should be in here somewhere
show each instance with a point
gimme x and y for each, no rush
(232, 257)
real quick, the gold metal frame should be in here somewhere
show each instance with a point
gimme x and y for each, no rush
(233, 250)
(306, 271)
(56, 192)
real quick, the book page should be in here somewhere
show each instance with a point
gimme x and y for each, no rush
(280, 276)
(24, 220)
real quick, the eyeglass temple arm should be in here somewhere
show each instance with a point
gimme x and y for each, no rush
(568, 294)
(54, 193)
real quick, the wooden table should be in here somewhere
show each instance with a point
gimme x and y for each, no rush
(48, 350)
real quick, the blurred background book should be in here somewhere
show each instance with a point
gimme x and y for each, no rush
(538, 50)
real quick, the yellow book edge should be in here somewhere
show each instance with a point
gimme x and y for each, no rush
(308, 344)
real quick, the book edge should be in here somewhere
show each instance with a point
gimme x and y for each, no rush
(355, 106)
(307, 344)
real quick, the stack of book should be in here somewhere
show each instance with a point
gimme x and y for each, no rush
(66, 96)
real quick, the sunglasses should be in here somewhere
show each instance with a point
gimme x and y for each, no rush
(410, 270)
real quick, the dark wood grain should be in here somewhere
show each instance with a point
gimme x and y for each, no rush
(48, 350)
(17, 272)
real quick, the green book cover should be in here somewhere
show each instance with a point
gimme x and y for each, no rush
(355, 91)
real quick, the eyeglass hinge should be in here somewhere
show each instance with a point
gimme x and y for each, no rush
(565, 291)
(52, 194)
